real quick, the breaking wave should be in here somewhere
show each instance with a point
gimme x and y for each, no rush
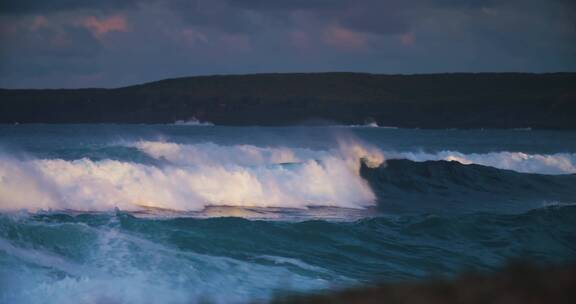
(193, 122)
(192, 177)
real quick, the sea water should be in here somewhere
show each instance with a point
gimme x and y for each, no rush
(189, 213)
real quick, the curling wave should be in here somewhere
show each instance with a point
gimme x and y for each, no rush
(557, 163)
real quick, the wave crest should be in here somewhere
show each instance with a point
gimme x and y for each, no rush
(558, 163)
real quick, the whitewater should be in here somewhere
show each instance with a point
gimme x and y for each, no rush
(191, 212)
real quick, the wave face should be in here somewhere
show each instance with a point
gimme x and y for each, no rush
(448, 187)
(557, 163)
(103, 258)
(173, 214)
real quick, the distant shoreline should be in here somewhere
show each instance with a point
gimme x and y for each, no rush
(428, 101)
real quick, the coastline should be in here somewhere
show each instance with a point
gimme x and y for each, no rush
(430, 101)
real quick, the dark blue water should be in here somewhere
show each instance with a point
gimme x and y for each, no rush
(179, 214)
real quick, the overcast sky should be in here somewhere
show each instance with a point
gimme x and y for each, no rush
(112, 43)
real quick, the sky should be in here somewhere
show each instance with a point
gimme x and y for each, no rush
(114, 43)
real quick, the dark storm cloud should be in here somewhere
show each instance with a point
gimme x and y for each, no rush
(370, 16)
(214, 13)
(380, 17)
(10, 7)
(291, 5)
(112, 43)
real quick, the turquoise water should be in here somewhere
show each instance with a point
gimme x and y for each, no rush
(180, 214)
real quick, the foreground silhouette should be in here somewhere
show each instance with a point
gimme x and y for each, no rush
(517, 283)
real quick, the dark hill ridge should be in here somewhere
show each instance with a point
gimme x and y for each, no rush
(485, 100)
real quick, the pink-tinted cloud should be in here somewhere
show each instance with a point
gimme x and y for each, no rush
(193, 37)
(300, 39)
(60, 40)
(39, 22)
(7, 28)
(102, 26)
(408, 39)
(344, 38)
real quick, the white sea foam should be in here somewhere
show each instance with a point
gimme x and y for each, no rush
(41, 258)
(369, 125)
(193, 122)
(366, 125)
(210, 153)
(193, 177)
(558, 163)
(123, 268)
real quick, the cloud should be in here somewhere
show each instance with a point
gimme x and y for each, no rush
(379, 17)
(114, 43)
(300, 39)
(46, 36)
(55, 6)
(344, 38)
(102, 26)
(408, 39)
(39, 22)
(193, 37)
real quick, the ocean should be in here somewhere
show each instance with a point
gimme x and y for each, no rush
(190, 213)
